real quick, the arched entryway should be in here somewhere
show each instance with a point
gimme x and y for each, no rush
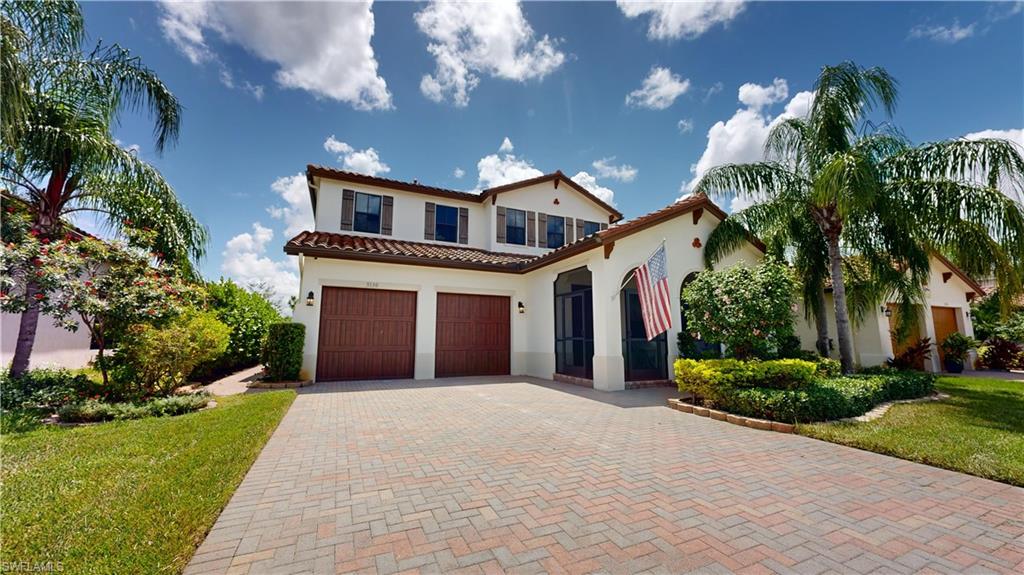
(692, 347)
(574, 324)
(644, 360)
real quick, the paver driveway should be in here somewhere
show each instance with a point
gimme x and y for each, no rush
(490, 475)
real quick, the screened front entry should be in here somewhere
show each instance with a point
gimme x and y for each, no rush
(644, 360)
(574, 324)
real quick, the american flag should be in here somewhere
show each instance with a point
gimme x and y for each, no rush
(655, 303)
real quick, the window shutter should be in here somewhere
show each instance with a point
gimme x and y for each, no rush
(429, 221)
(569, 229)
(500, 225)
(579, 228)
(542, 230)
(387, 212)
(463, 225)
(348, 208)
(604, 227)
(531, 228)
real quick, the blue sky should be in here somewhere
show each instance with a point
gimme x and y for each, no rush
(265, 87)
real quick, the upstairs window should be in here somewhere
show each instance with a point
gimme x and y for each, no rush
(556, 231)
(367, 213)
(591, 228)
(446, 224)
(515, 227)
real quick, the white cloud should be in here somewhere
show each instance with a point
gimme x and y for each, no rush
(685, 125)
(741, 138)
(674, 20)
(481, 38)
(362, 161)
(1015, 136)
(946, 34)
(228, 79)
(497, 170)
(606, 169)
(757, 97)
(297, 213)
(458, 173)
(506, 146)
(245, 260)
(590, 183)
(321, 47)
(660, 89)
(712, 90)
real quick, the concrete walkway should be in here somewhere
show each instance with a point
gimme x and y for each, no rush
(236, 382)
(493, 475)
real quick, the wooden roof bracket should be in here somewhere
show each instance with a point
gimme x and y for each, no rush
(697, 214)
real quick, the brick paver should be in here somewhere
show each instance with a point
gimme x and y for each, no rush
(518, 475)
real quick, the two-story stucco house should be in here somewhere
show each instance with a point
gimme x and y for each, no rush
(402, 280)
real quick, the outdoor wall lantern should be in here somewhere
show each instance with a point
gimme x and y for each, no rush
(521, 308)
(310, 299)
(887, 312)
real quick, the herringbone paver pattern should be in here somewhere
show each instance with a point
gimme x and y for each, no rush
(526, 476)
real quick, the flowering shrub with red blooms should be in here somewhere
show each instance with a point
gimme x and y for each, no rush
(105, 286)
(749, 309)
(48, 264)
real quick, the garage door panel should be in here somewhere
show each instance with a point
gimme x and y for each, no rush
(366, 334)
(472, 335)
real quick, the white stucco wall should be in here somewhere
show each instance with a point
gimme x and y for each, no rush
(532, 335)
(54, 346)
(409, 208)
(541, 198)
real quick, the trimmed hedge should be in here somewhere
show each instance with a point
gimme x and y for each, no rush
(44, 388)
(285, 341)
(757, 390)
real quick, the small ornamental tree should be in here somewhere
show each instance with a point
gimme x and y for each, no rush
(120, 285)
(749, 309)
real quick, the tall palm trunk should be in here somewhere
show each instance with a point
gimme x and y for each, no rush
(821, 324)
(26, 332)
(843, 332)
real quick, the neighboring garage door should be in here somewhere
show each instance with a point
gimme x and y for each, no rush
(366, 334)
(473, 335)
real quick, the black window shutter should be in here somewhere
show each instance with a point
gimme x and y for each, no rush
(348, 208)
(387, 214)
(463, 225)
(531, 229)
(429, 221)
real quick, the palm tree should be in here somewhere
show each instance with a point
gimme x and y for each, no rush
(58, 154)
(874, 196)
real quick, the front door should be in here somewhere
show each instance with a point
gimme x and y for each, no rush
(945, 324)
(644, 360)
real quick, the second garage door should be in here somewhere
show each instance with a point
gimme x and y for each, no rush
(366, 334)
(473, 335)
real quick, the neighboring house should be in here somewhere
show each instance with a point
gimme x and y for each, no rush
(946, 309)
(401, 280)
(54, 346)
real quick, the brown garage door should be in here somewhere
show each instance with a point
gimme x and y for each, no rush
(366, 334)
(473, 335)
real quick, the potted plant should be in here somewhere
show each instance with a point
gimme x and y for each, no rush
(955, 349)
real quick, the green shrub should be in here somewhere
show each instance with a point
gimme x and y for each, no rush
(284, 351)
(749, 309)
(957, 345)
(248, 314)
(44, 388)
(1001, 354)
(795, 390)
(92, 410)
(776, 373)
(156, 361)
(828, 367)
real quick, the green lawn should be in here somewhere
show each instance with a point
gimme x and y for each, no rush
(129, 497)
(978, 430)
